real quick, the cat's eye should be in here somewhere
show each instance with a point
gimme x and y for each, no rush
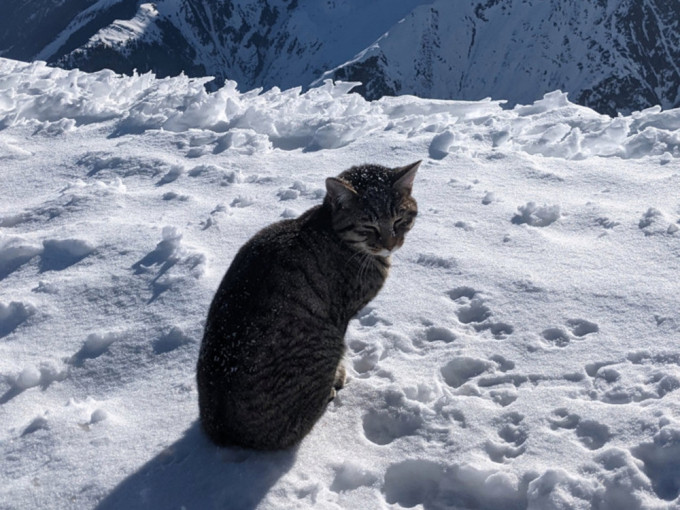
(370, 229)
(402, 222)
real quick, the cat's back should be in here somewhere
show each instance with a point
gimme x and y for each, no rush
(271, 271)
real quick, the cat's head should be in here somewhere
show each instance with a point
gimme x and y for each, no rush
(372, 207)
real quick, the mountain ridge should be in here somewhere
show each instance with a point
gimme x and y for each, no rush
(611, 56)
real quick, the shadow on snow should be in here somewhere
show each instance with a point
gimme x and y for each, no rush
(195, 474)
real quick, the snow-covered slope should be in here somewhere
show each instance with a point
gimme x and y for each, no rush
(524, 353)
(611, 56)
(615, 56)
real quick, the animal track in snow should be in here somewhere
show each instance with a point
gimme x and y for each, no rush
(394, 418)
(592, 434)
(439, 334)
(474, 312)
(536, 216)
(366, 357)
(462, 369)
(241, 202)
(556, 336)
(661, 459)
(434, 485)
(489, 197)
(462, 292)
(578, 328)
(627, 382)
(288, 194)
(513, 435)
(581, 327)
(369, 317)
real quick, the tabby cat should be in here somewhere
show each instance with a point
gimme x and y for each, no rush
(271, 356)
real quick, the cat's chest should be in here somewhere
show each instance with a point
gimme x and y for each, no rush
(361, 279)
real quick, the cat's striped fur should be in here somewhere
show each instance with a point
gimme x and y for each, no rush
(271, 356)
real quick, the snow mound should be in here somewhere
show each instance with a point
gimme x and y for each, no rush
(326, 117)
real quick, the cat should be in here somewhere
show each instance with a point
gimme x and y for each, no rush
(271, 355)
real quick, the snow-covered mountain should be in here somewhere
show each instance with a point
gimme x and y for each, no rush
(618, 55)
(609, 55)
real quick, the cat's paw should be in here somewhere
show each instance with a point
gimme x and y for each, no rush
(340, 378)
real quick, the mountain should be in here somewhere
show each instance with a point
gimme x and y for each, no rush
(614, 56)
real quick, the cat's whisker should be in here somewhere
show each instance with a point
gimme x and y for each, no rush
(357, 253)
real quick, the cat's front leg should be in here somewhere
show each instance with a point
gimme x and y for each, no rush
(340, 376)
(339, 381)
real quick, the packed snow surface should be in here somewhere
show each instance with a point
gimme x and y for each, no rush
(524, 353)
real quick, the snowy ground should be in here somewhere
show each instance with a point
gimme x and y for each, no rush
(524, 353)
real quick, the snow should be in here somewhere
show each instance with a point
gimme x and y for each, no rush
(524, 352)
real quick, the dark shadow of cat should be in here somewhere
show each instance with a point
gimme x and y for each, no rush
(193, 473)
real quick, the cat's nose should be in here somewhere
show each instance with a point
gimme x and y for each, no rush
(389, 242)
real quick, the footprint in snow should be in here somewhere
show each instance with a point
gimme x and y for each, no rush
(512, 434)
(439, 334)
(369, 317)
(581, 327)
(578, 328)
(365, 357)
(629, 382)
(475, 313)
(661, 460)
(432, 485)
(536, 216)
(592, 434)
(392, 418)
(463, 369)
(556, 336)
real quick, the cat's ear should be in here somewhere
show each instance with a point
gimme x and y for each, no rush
(404, 177)
(340, 192)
